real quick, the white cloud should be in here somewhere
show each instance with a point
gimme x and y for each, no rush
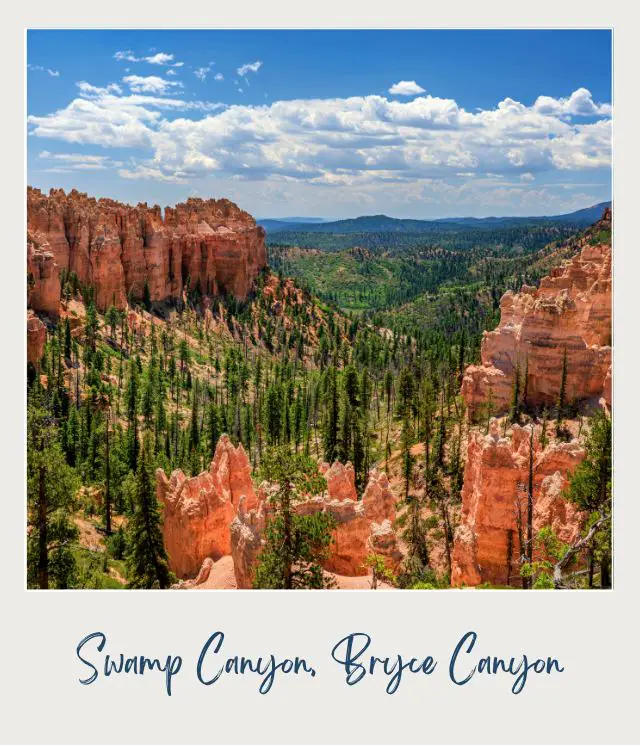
(150, 84)
(202, 72)
(159, 58)
(363, 141)
(579, 103)
(77, 162)
(406, 88)
(145, 172)
(218, 76)
(91, 90)
(126, 56)
(48, 70)
(102, 118)
(249, 67)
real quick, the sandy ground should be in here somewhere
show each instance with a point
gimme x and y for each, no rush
(222, 578)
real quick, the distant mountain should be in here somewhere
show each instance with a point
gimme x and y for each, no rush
(275, 224)
(301, 219)
(385, 224)
(586, 216)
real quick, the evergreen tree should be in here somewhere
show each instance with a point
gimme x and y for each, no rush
(67, 339)
(514, 414)
(91, 327)
(147, 561)
(146, 297)
(331, 427)
(51, 489)
(295, 545)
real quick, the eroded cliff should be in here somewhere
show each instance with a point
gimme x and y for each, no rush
(490, 538)
(568, 314)
(210, 245)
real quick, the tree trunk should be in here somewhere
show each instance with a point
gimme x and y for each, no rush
(43, 550)
(447, 532)
(605, 572)
(286, 514)
(530, 504)
(107, 483)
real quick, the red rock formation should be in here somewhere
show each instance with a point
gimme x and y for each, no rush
(43, 275)
(486, 546)
(198, 511)
(363, 526)
(200, 579)
(36, 338)
(117, 249)
(247, 532)
(571, 310)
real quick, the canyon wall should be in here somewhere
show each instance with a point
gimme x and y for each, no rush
(117, 249)
(486, 545)
(570, 312)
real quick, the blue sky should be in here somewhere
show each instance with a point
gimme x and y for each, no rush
(325, 123)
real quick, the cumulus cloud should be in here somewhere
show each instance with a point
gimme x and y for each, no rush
(150, 84)
(361, 141)
(579, 103)
(249, 67)
(218, 76)
(406, 88)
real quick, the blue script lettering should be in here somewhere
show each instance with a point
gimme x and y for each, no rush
(349, 650)
(266, 667)
(137, 665)
(491, 665)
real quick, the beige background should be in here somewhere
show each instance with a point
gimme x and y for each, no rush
(592, 633)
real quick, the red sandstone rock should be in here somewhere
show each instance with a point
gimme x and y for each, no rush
(363, 526)
(341, 481)
(43, 275)
(201, 578)
(486, 545)
(247, 532)
(117, 249)
(199, 510)
(571, 310)
(36, 337)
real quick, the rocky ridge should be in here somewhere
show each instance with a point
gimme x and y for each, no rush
(569, 313)
(117, 249)
(564, 323)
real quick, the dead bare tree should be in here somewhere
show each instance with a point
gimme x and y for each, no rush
(558, 577)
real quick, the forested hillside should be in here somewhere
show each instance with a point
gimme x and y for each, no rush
(290, 373)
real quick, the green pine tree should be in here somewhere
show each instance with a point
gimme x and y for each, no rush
(295, 545)
(147, 561)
